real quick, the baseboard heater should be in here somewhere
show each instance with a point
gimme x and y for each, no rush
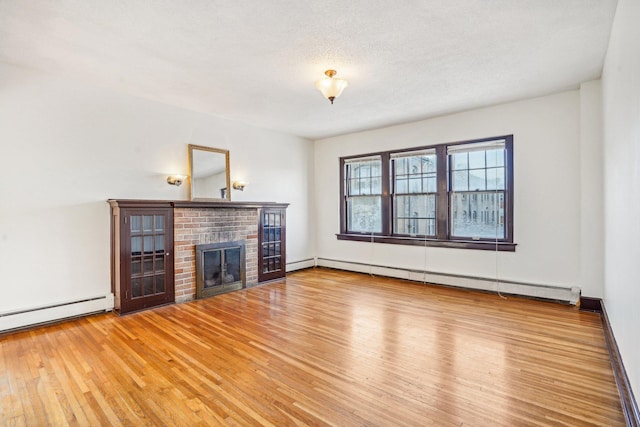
(20, 319)
(302, 264)
(569, 295)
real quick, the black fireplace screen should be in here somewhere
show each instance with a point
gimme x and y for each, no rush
(220, 267)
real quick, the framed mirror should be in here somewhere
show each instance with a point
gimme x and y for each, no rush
(209, 172)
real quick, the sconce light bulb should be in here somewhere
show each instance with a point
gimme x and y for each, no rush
(176, 180)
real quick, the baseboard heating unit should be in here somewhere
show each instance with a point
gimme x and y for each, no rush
(20, 319)
(567, 294)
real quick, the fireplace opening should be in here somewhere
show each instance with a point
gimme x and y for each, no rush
(220, 267)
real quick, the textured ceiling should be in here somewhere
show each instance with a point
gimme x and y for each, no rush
(256, 61)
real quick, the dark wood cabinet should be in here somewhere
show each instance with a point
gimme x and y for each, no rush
(143, 259)
(271, 244)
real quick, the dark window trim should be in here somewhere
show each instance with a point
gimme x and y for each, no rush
(417, 241)
(442, 238)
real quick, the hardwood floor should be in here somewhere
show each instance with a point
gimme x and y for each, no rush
(323, 348)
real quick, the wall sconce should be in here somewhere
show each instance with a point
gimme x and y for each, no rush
(331, 88)
(176, 179)
(239, 185)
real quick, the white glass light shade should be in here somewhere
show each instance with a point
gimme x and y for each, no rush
(331, 87)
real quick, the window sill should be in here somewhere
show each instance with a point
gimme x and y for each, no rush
(416, 241)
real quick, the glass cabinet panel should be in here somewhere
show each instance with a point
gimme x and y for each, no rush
(271, 245)
(146, 273)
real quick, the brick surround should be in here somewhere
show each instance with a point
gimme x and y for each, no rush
(195, 226)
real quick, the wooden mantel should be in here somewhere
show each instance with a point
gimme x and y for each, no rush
(205, 203)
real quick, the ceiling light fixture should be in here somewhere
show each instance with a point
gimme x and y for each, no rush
(331, 88)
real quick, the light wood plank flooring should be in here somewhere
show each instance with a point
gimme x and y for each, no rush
(321, 348)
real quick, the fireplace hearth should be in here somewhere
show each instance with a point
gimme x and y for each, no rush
(220, 267)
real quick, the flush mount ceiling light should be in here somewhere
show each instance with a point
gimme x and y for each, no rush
(331, 88)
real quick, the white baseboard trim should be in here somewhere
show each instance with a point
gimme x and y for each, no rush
(299, 265)
(570, 295)
(39, 315)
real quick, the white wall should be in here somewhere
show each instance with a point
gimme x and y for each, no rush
(547, 192)
(67, 147)
(621, 108)
(591, 190)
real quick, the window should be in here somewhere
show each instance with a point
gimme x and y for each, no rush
(414, 193)
(454, 195)
(364, 194)
(477, 169)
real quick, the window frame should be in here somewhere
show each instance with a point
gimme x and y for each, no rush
(348, 181)
(444, 193)
(409, 176)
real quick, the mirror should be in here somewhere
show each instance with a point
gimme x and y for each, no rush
(209, 172)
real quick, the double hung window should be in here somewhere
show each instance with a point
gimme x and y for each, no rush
(414, 192)
(477, 190)
(364, 194)
(455, 195)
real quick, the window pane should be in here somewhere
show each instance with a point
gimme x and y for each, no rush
(460, 161)
(148, 244)
(159, 284)
(136, 288)
(147, 222)
(159, 243)
(365, 186)
(159, 266)
(477, 179)
(354, 186)
(364, 177)
(476, 160)
(401, 166)
(415, 165)
(480, 217)
(429, 184)
(402, 186)
(415, 215)
(375, 169)
(136, 223)
(495, 179)
(136, 245)
(429, 164)
(460, 180)
(495, 158)
(159, 223)
(376, 186)
(136, 266)
(147, 265)
(148, 285)
(415, 184)
(364, 214)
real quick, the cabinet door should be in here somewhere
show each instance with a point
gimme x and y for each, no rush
(271, 247)
(146, 258)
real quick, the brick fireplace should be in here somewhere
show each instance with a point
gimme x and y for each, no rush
(153, 248)
(198, 226)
